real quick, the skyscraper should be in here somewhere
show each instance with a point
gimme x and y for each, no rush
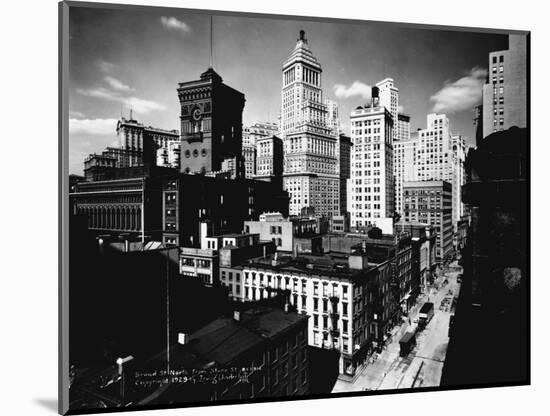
(269, 160)
(258, 130)
(505, 94)
(372, 184)
(389, 98)
(333, 116)
(311, 174)
(459, 150)
(403, 158)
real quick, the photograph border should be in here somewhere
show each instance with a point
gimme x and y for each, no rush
(63, 199)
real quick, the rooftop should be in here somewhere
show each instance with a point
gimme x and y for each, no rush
(233, 235)
(328, 264)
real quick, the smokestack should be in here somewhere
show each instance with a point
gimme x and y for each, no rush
(375, 97)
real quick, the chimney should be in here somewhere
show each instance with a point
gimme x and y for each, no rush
(274, 261)
(237, 315)
(375, 97)
(183, 338)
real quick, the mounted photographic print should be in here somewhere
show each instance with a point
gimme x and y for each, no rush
(259, 207)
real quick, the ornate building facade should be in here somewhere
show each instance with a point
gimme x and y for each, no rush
(211, 124)
(138, 144)
(311, 174)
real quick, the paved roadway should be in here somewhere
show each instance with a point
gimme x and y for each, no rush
(423, 366)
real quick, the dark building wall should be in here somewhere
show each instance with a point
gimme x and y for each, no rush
(128, 205)
(224, 203)
(345, 170)
(119, 301)
(489, 336)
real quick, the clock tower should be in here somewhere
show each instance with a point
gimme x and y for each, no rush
(211, 124)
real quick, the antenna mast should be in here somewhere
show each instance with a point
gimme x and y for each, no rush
(211, 43)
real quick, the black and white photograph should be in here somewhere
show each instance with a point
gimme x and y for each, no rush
(264, 208)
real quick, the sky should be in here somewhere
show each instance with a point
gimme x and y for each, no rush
(133, 59)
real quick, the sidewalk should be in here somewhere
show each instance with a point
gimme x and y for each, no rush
(390, 370)
(370, 375)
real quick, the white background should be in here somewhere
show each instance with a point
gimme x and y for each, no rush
(28, 208)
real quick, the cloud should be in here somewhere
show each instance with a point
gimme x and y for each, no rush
(116, 84)
(358, 88)
(139, 105)
(95, 127)
(172, 23)
(105, 66)
(462, 94)
(76, 114)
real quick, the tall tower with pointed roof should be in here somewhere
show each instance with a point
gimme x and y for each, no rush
(310, 146)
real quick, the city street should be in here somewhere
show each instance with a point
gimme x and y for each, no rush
(423, 366)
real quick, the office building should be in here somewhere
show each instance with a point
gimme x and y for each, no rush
(169, 155)
(211, 124)
(505, 93)
(269, 158)
(188, 200)
(458, 152)
(259, 130)
(311, 173)
(333, 117)
(139, 143)
(404, 158)
(389, 98)
(372, 183)
(249, 155)
(430, 202)
(345, 145)
(122, 201)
